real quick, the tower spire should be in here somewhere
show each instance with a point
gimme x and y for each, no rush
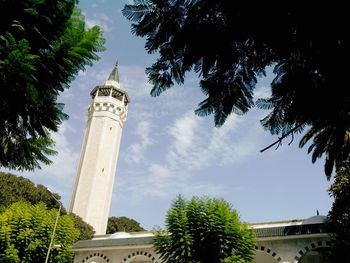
(114, 76)
(94, 180)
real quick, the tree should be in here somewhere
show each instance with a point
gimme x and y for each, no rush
(306, 51)
(230, 44)
(26, 230)
(124, 224)
(43, 45)
(17, 188)
(340, 214)
(204, 230)
(86, 231)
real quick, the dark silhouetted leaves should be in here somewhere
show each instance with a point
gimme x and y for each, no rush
(43, 45)
(230, 44)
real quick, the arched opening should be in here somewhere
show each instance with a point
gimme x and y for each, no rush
(96, 258)
(317, 255)
(141, 259)
(263, 257)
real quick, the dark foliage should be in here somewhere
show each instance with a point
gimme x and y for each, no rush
(230, 44)
(86, 230)
(17, 188)
(43, 45)
(123, 224)
(340, 214)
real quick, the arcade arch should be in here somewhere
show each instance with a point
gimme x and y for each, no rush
(315, 252)
(140, 257)
(265, 255)
(96, 258)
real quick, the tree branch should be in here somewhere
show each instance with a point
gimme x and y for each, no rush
(279, 141)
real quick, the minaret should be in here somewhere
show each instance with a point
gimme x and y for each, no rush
(93, 183)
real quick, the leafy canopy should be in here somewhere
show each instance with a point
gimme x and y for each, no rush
(124, 224)
(43, 45)
(86, 231)
(16, 188)
(340, 214)
(25, 233)
(204, 230)
(230, 44)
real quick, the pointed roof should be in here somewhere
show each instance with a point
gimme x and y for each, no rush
(114, 76)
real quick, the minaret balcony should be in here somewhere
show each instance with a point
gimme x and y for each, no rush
(110, 91)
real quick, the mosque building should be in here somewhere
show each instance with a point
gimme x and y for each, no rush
(292, 241)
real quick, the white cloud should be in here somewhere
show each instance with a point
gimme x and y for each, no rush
(183, 133)
(151, 182)
(135, 153)
(134, 80)
(262, 92)
(234, 142)
(159, 171)
(59, 174)
(81, 73)
(194, 147)
(100, 20)
(64, 163)
(160, 181)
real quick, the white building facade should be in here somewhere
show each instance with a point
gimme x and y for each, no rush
(295, 241)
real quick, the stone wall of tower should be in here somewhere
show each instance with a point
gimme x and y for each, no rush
(93, 186)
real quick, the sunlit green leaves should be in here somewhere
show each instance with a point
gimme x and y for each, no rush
(204, 230)
(26, 230)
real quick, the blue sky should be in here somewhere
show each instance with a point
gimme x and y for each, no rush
(166, 150)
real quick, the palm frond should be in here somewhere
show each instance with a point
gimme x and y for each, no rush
(329, 165)
(137, 11)
(264, 104)
(159, 77)
(205, 108)
(307, 136)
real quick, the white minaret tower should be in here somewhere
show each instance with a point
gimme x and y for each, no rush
(93, 184)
